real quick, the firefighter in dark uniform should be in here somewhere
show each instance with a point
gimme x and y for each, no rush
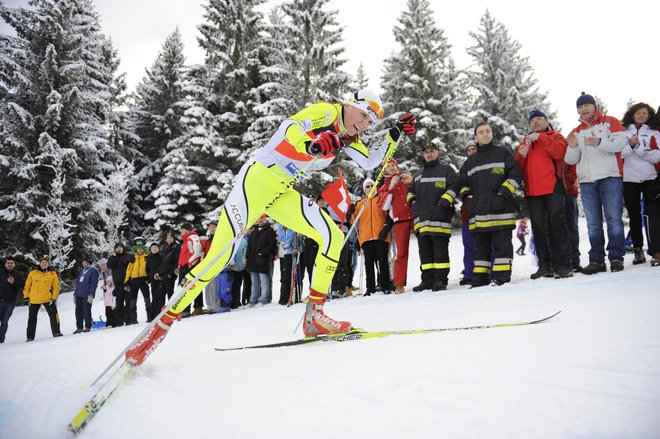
(432, 221)
(487, 182)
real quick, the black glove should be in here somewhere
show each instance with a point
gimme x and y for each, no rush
(406, 125)
(444, 203)
(325, 143)
(382, 235)
(504, 192)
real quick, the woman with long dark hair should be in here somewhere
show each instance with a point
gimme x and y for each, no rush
(640, 170)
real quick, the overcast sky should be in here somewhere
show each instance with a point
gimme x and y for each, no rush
(573, 46)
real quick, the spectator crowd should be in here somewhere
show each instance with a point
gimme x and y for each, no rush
(608, 163)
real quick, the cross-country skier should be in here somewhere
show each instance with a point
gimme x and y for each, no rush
(309, 141)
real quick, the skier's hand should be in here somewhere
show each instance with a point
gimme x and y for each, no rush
(405, 125)
(325, 143)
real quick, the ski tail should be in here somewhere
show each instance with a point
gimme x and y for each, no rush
(361, 334)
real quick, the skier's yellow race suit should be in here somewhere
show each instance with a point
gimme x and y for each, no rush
(260, 180)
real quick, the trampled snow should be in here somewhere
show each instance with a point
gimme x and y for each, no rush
(591, 372)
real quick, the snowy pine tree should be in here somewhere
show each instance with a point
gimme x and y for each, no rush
(193, 181)
(503, 83)
(113, 207)
(60, 97)
(422, 78)
(361, 79)
(155, 120)
(314, 53)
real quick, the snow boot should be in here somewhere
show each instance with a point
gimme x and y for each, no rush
(423, 286)
(439, 285)
(639, 257)
(656, 260)
(616, 265)
(543, 271)
(564, 272)
(593, 268)
(315, 321)
(147, 344)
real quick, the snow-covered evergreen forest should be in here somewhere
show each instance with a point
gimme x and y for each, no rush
(86, 162)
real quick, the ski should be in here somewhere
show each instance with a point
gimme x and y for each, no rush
(361, 334)
(93, 405)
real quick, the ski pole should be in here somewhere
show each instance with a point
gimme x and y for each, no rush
(191, 282)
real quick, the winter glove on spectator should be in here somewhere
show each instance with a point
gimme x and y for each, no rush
(384, 232)
(90, 299)
(444, 203)
(405, 125)
(127, 288)
(325, 143)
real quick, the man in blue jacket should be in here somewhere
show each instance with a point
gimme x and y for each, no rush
(86, 284)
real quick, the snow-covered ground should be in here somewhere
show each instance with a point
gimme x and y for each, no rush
(591, 372)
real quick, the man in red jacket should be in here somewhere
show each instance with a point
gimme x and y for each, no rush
(392, 199)
(540, 157)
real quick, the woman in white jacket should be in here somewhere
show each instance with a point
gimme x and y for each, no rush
(641, 157)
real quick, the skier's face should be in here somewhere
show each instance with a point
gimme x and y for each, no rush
(356, 120)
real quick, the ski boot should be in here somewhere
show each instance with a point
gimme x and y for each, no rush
(315, 321)
(147, 344)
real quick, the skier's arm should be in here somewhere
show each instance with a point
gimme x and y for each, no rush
(300, 132)
(370, 158)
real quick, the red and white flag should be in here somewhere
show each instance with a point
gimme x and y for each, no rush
(336, 195)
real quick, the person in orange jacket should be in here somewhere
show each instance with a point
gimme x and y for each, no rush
(374, 239)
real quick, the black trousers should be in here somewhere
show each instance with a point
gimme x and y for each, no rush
(241, 289)
(652, 216)
(83, 313)
(286, 263)
(497, 242)
(167, 285)
(118, 313)
(130, 312)
(434, 258)
(33, 311)
(376, 252)
(199, 300)
(548, 216)
(157, 297)
(340, 279)
(570, 202)
(632, 197)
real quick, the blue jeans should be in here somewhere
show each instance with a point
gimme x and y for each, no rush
(260, 288)
(605, 195)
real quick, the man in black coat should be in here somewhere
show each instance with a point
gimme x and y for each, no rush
(432, 218)
(154, 261)
(261, 249)
(11, 282)
(487, 182)
(118, 262)
(168, 265)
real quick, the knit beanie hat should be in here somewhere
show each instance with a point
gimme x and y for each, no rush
(585, 99)
(537, 113)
